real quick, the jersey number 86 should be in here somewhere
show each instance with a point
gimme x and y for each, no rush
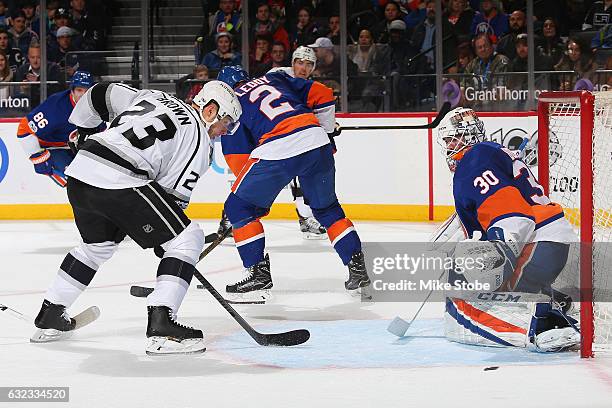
(38, 122)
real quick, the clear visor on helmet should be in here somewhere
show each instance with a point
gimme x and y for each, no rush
(229, 124)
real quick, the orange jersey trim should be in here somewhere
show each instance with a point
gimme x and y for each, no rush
(290, 125)
(486, 319)
(319, 94)
(545, 212)
(506, 200)
(24, 128)
(245, 169)
(236, 162)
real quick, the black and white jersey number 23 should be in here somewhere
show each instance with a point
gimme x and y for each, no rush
(152, 130)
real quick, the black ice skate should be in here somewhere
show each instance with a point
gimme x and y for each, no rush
(358, 275)
(54, 324)
(255, 287)
(166, 336)
(224, 225)
(52, 316)
(310, 227)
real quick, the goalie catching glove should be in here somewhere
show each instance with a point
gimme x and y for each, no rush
(491, 262)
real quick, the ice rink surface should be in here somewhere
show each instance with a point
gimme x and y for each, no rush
(350, 360)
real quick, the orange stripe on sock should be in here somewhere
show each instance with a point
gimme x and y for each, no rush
(486, 319)
(250, 230)
(338, 228)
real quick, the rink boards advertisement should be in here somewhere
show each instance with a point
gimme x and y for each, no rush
(380, 174)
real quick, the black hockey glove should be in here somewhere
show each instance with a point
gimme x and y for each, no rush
(77, 138)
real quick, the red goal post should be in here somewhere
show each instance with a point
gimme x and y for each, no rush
(575, 155)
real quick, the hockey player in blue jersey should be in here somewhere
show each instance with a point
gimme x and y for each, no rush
(44, 132)
(303, 62)
(522, 233)
(285, 125)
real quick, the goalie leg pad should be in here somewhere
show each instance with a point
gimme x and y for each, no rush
(487, 323)
(526, 321)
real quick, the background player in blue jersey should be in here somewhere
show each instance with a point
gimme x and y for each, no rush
(45, 131)
(285, 123)
(303, 62)
(523, 235)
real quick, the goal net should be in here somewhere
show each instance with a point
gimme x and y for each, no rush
(575, 169)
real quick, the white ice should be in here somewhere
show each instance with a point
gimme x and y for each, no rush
(350, 360)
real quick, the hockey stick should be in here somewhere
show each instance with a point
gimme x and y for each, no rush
(290, 338)
(143, 291)
(446, 107)
(14, 313)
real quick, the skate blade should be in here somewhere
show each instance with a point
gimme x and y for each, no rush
(49, 335)
(84, 318)
(256, 297)
(163, 346)
(310, 236)
(363, 293)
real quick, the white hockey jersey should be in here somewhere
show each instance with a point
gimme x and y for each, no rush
(152, 136)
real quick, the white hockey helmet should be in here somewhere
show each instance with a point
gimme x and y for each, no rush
(461, 128)
(304, 53)
(223, 96)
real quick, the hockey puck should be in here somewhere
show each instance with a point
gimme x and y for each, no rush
(491, 368)
(200, 286)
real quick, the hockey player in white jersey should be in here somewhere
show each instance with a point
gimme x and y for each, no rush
(519, 236)
(135, 178)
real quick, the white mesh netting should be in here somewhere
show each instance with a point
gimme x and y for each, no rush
(565, 189)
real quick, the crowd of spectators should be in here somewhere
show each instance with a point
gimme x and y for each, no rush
(75, 30)
(391, 45)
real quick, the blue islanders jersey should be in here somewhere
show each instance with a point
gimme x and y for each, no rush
(493, 187)
(49, 121)
(237, 148)
(277, 105)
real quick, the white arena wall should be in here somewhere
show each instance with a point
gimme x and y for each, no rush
(381, 175)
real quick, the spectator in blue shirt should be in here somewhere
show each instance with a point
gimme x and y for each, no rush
(490, 20)
(223, 55)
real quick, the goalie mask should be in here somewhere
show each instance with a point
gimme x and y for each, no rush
(229, 109)
(459, 130)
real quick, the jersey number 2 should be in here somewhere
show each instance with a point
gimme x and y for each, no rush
(153, 134)
(266, 103)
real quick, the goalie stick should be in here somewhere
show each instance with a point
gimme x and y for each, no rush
(446, 107)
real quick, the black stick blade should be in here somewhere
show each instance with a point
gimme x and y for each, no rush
(140, 291)
(291, 338)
